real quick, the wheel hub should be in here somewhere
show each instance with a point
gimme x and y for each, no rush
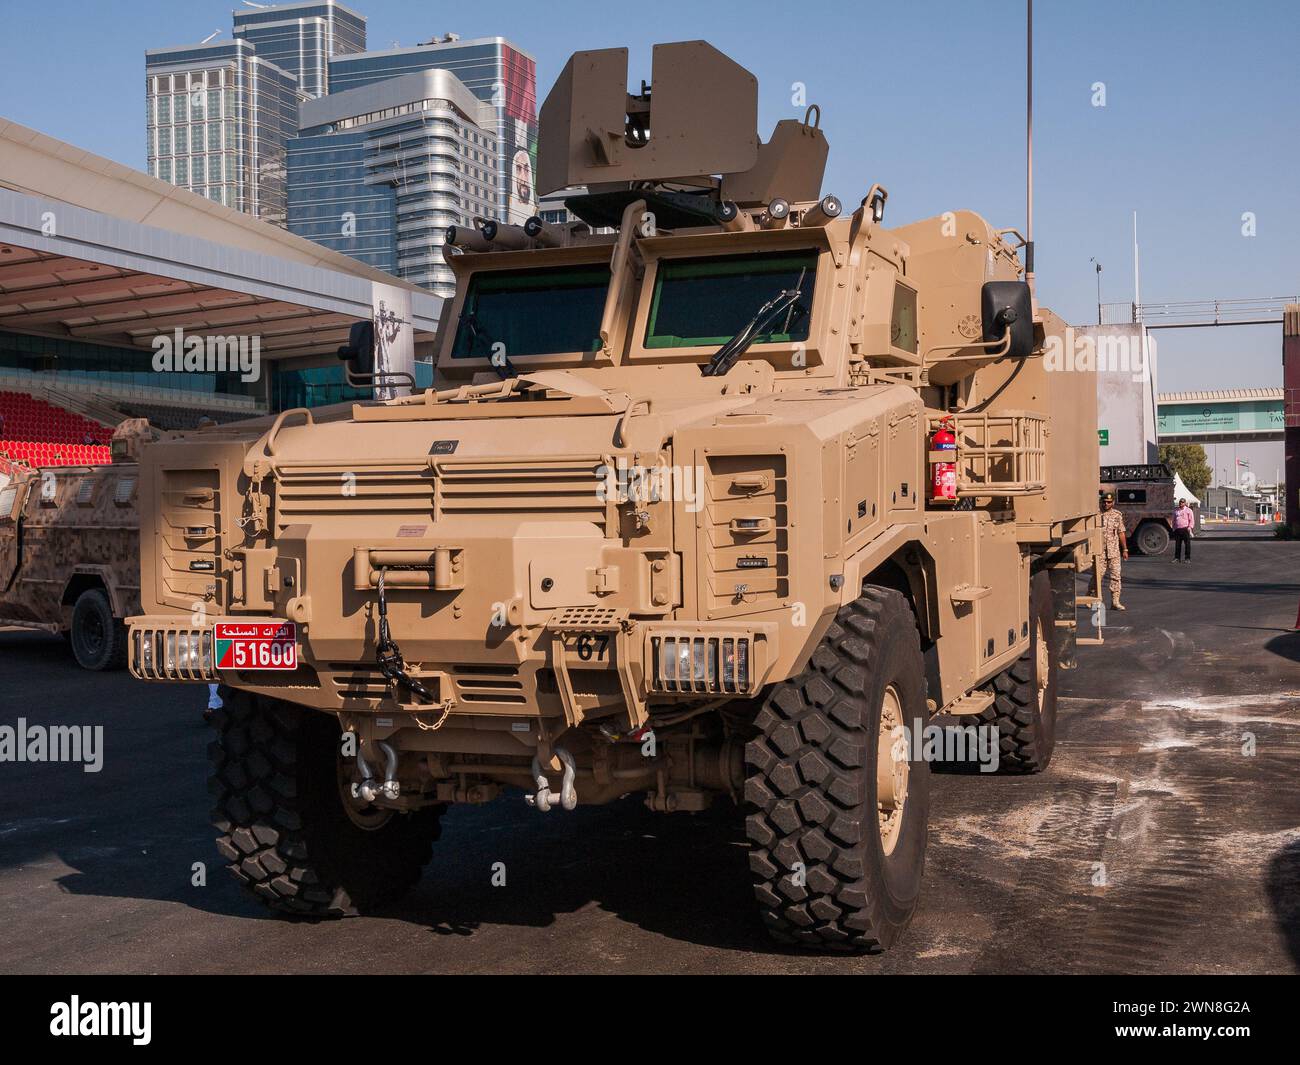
(892, 769)
(92, 634)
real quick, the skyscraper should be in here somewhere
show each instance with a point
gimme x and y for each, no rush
(301, 38)
(498, 74)
(219, 114)
(218, 117)
(379, 172)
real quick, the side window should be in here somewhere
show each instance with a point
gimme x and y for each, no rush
(902, 329)
(8, 502)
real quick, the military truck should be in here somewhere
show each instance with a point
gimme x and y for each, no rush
(1144, 494)
(669, 522)
(69, 550)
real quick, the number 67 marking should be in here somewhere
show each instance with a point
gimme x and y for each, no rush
(589, 646)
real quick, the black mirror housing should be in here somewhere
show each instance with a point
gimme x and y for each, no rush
(1008, 304)
(359, 351)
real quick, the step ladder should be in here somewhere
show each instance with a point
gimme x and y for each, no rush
(1088, 602)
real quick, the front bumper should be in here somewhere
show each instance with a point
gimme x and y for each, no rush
(592, 659)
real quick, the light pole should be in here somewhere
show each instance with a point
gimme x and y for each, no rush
(1098, 268)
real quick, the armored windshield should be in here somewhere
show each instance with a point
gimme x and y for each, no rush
(705, 302)
(546, 311)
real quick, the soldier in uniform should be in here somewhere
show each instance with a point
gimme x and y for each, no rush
(1114, 547)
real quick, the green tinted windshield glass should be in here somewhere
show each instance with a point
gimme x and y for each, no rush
(532, 312)
(705, 302)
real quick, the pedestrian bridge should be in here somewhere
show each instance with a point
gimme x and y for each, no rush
(1217, 417)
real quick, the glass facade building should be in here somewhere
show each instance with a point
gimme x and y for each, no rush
(378, 172)
(331, 202)
(218, 118)
(320, 386)
(219, 115)
(301, 38)
(496, 73)
(107, 369)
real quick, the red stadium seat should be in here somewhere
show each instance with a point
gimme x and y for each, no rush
(40, 433)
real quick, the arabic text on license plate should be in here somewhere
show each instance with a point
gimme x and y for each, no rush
(256, 645)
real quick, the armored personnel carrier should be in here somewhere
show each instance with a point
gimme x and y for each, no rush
(723, 492)
(69, 550)
(1144, 494)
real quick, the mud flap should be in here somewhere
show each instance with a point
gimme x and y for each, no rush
(1065, 611)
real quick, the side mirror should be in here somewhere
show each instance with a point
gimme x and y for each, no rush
(359, 351)
(1008, 305)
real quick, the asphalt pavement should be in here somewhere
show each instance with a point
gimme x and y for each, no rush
(1165, 837)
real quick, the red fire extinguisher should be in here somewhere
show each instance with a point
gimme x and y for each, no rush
(943, 479)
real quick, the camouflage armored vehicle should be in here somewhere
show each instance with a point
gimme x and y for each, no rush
(1144, 494)
(69, 550)
(670, 522)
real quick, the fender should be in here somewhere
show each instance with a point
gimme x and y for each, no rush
(923, 577)
(118, 599)
(876, 552)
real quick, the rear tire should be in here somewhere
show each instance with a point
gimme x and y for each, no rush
(839, 832)
(1024, 707)
(284, 830)
(1152, 538)
(98, 639)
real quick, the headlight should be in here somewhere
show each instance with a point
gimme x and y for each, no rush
(691, 664)
(186, 652)
(146, 652)
(189, 652)
(164, 653)
(735, 665)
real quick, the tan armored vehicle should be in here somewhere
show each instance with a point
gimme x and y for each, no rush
(670, 522)
(69, 550)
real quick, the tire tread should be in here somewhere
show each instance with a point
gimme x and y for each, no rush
(806, 788)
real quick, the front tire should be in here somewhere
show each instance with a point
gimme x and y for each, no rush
(1152, 538)
(98, 639)
(285, 831)
(839, 827)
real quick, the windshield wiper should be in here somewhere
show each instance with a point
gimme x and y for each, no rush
(504, 368)
(786, 301)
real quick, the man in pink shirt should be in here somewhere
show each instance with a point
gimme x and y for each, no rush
(1184, 521)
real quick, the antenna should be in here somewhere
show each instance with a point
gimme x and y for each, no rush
(1137, 284)
(249, 3)
(211, 36)
(1029, 145)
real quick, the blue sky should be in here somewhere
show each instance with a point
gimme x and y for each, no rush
(1201, 123)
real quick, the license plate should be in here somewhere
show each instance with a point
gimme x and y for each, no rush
(256, 645)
